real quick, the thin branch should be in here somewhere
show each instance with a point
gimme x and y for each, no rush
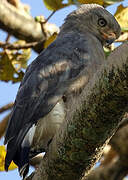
(49, 16)
(42, 23)
(3, 125)
(4, 122)
(7, 38)
(6, 107)
(18, 46)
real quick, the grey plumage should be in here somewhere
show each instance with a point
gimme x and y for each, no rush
(60, 70)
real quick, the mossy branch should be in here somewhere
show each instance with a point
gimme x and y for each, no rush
(90, 123)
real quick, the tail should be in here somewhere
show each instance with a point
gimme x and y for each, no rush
(21, 159)
(18, 149)
(20, 156)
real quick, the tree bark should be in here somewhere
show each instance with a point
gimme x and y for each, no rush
(113, 171)
(23, 26)
(90, 123)
(115, 166)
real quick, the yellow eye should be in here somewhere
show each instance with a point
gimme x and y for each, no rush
(102, 22)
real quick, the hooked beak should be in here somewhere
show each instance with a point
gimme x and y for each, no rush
(109, 38)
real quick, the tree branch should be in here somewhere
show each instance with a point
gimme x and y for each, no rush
(91, 121)
(116, 167)
(113, 171)
(23, 26)
(6, 107)
(3, 124)
(18, 46)
(117, 142)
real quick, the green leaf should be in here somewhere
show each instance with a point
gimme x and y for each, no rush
(87, 1)
(54, 4)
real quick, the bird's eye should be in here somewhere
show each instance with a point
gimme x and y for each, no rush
(102, 22)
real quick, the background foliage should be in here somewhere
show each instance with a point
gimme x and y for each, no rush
(14, 55)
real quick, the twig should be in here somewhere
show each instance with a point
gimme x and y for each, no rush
(3, 124)
(49, 16)
(44, 22)
(18, 46)
(6, 107)
(7, 38)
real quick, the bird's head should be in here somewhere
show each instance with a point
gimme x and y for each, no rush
(95, 19)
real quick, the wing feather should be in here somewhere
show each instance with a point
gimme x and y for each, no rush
(45, 82)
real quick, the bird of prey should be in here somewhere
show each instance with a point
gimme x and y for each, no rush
(60, 70)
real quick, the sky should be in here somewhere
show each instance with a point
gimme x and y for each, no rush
(8, 90)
